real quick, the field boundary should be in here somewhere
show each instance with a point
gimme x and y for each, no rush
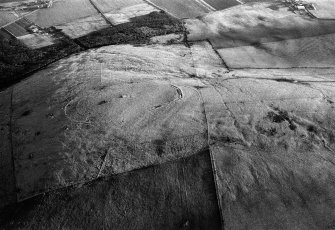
(159, 8)
(206, 5)
(100, 12)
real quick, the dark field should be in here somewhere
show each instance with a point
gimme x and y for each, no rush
(220, 5)
(16, 30)
(178, 195)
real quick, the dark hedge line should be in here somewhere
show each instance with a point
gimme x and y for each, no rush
(138, 31)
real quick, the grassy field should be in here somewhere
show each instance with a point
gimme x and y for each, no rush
(272, 153)
(92, 111)
(317, 52)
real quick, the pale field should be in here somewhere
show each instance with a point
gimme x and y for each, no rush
(6, 17)
(312, 52)
(115, 5)
(83, 26)
(260, 36)
(124, 14)
(63, 11)
(256, 23)
(35, 41)
(325, 9)
(181, 9)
